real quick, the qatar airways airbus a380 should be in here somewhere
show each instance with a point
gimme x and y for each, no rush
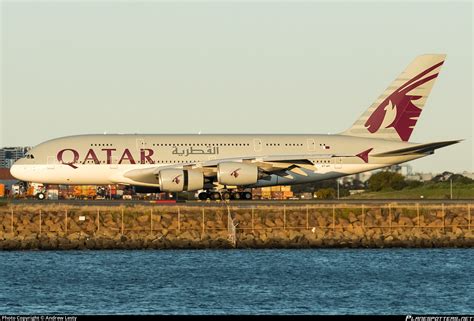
(222, 166)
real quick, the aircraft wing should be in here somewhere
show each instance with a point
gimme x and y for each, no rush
(281, 165)
(274, 164)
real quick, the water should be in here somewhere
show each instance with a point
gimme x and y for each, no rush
(355, 281)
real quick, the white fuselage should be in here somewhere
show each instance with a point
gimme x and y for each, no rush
(104, 159)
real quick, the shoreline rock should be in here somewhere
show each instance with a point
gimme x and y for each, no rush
(262, 227)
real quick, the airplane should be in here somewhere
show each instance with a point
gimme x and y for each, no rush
(227, 166)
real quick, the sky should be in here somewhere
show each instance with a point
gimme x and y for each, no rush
(85, 67)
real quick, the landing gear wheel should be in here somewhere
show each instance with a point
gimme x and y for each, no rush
(236, 196)
(225, 196)
(203, 196)
(40, 196)
(247, 196)
(215, 196)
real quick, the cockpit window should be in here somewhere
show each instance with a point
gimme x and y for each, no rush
(30, 156)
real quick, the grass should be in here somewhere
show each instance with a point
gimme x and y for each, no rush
(428, 192)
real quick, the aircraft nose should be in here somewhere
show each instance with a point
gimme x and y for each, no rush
(17, 171)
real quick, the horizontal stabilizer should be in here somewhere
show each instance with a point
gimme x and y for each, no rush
(418, 149)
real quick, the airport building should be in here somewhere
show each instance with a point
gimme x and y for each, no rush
(468, 174)
(8, 155)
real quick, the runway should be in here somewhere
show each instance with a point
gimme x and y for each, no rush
(239, 203)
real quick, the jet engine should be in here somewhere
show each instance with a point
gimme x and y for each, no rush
(233, 173)
(178, 180)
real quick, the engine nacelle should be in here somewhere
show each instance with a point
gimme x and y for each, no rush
(233, 173)
(179, 180)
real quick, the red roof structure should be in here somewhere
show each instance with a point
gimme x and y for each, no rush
(5, 174)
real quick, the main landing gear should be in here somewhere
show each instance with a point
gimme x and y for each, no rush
(225, 195)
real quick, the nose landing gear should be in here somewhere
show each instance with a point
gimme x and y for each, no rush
(41, 196)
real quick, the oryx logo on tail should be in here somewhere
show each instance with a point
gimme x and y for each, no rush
(398, 109)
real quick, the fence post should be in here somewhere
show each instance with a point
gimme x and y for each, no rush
(469, 215)
(65, 223)
(442, 207)
(333, 216)
(284, 217)
(11, 220)
(151, 221)
(179, 219)
(363, 217)
(39, 222)
(307, 217)
(418, 213)
(390, 216)
(231, 228)
(98, 221)
(203, 225)
(253, 207)
(122, 222)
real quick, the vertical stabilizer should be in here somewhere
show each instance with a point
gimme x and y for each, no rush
(394, 114)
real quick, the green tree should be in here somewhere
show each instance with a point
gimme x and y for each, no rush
(386, 180)
(397, 182)
(326, 193)
(413, 184)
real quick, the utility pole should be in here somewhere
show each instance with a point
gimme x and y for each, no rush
(337, 181)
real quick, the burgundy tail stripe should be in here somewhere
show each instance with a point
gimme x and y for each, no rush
(421, 75)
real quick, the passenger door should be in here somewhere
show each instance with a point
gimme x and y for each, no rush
(114, 162)
(311, 145)
(140, 143)
(338, 163)
(51, 162)
(257, 145)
